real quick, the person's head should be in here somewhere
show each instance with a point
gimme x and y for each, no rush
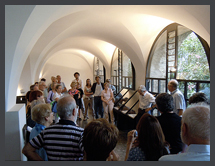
(43, 79)
(54, 79)
(76, 75)
(53, 86)
(99, 139)
(35, 95)
(150, 137)
(58, 88)
(88, 82)
(195, 128)
(142, 89)
(164, 102)
(32, 87)
(106, 85)
(108, 81)
(36, 83)
(42, 85)
(66, 108)
(73, 85)
(98, 79)
(198, 97)
(36, 87)
(42, 114)
(58, 77)
(172, 85)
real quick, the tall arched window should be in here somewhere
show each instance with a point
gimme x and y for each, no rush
(122, 71)
(179, 53)
(98, 69)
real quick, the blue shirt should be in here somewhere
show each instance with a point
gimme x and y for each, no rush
(194, 152)
(178, 100)
(34, 132)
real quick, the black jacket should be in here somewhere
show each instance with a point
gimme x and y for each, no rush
(94, 87)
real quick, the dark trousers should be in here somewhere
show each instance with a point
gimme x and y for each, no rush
(98, 106)
(139, 115)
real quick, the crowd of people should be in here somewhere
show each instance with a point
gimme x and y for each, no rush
(178, 134)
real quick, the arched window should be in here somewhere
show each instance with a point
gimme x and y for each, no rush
(179, 53)
(98, 69)
(122, 71)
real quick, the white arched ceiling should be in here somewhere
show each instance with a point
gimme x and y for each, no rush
(130, 28)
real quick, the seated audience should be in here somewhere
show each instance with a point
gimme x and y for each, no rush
(198, 97)
(43, 117)
(35, 97)
(195, 132)
(62, 141)
(51, 93)
(107, 101)
(170, 122)
(99, 140)
(148, 141)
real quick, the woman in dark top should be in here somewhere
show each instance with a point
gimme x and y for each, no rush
(148, 141)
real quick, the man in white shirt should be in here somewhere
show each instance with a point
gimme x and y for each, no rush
(77, 79)
(195, 132)
(61, 83)
(146, 100)
(97, 89)
(178, 97)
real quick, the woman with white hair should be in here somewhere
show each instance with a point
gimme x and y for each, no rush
(43, 116)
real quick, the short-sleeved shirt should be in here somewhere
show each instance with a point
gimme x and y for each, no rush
(146, 100)
(178, 99)
(62, 141)
(78, 81)
(136, 154)
(107, 95)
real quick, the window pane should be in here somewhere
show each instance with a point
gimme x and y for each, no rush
(192, 59)
(127, 69)
(158, 62)
(162, 86)
(181, 86)
(171, 34)
(171, 58)
(115, 63)
(205, 88)
(171, 40)
(171, 52)
(191, 89)
(123, 81)
(155, 86)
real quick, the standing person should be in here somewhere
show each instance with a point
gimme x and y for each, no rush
(51, 93)
(43, 116)
(170, 122)
(53, 80)
(74, 93)
(58, 77)
(80, 104)
(147, 143)
(42, 87)
(79, 81)
(56, 97)
(62, 141)
(146, 100)
(112, 87)
(178, 97)
(88, 99)
(195, 132)
(107, 98)
(97, 89)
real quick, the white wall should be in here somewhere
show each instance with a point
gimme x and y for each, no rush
(66, 65)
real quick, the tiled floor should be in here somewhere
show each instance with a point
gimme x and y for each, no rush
(120, 148)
